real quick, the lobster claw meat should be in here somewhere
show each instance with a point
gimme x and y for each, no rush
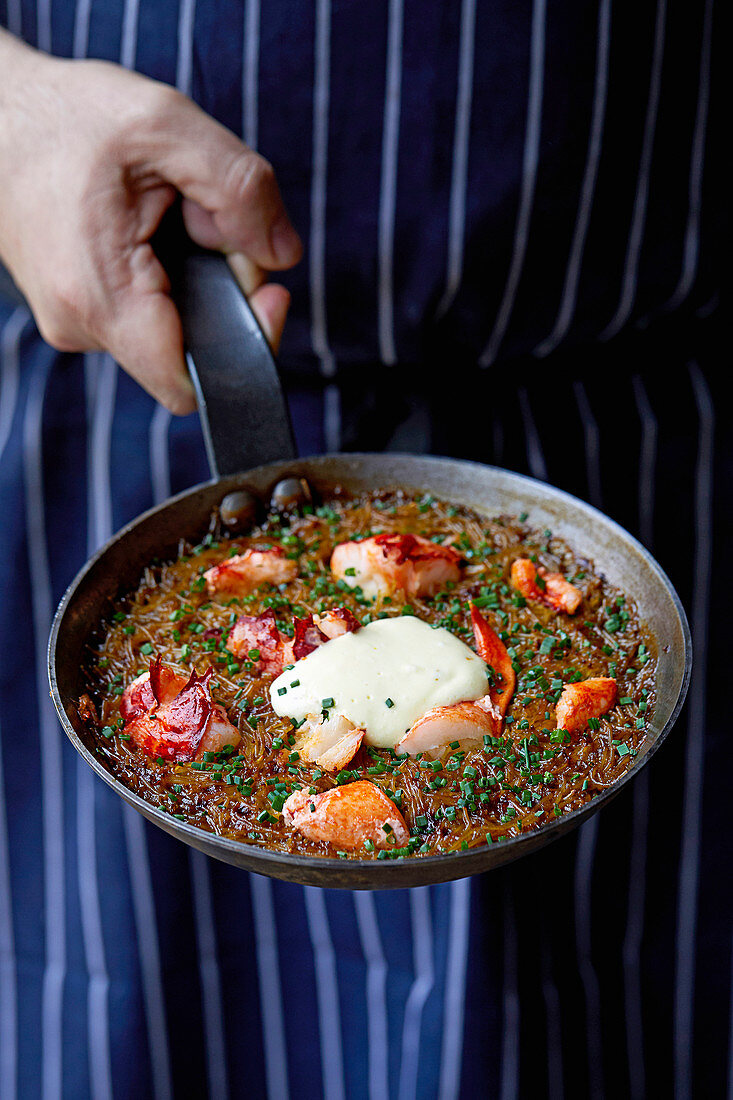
(185, 726)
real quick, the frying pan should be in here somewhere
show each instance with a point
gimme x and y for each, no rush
(250, 446)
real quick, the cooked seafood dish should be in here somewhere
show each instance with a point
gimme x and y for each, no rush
(370, 677)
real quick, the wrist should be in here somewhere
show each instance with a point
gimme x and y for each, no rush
(18, 62)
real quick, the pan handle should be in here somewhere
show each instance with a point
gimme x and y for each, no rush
(243, 412)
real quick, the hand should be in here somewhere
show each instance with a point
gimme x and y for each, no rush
(91, 156)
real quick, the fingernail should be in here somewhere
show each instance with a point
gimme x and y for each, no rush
(285, 242)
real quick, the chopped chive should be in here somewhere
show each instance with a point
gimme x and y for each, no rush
(389, 703)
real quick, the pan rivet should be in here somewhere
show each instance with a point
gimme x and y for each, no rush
(291, 492)
(238, 510)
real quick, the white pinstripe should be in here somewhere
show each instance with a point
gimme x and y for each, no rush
(10, 376)
(160, 474)
(216, 1066)
(455, 990)
(592, 445)
(100, 376)
(143, 902)
(8, 970)
(459, 170)
(535, 456)
(388, 185)
(730, 1030)
(636, 233)
(332, 418)
(100, 1073)
(510, 1067)
(376, 994)
(9, 346)
(585, 854)
(268, 970)
(551, 997)
(697, 159)
(647, 462)
(708, 308)
(329, 1013)
(319, 170)
(15, 17)
(422, 939)
(100, 385)
(317, 264)
(43, 25)
(128, 40)
(184, 60)
(497, 440)
(530, 161)
(82, 14)
(569, 295)
(631, 949)
(588, 833)
(250, 72)
(54, 857)
(684, 992)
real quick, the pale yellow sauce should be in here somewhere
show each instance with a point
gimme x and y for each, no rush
(402, 659)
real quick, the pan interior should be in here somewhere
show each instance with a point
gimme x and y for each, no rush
(489, 491)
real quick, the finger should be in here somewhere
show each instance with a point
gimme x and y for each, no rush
(201, 228)
(147, 342)
(270, 306)
(249, 276)
(233, 184)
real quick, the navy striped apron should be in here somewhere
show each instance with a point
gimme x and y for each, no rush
(511, 216)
